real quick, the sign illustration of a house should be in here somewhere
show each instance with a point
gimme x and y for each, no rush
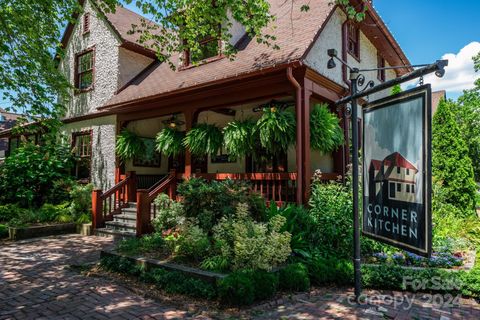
(393, 179)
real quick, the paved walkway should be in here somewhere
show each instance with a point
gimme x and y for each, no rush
(36, 282)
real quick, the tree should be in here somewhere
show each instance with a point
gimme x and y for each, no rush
(451, 164)
(468, 118)
(30, 32)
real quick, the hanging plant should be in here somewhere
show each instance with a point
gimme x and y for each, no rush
(326, 135)
(277, 129)
(169, 141)
(204, 139)
(128, 145)
(239, 138)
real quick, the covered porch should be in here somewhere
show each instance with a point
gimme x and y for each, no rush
(283, 178)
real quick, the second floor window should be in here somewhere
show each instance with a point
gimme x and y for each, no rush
(84, 70)
(381, 73)
(209, 48)
(352, 34)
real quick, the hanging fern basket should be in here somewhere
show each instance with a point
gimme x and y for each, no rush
(204, 139)
(239, 138)
(326, 135)
(128, 145)
(276, 129)
(169, 141)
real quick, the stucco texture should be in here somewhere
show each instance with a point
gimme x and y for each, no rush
(103, 148)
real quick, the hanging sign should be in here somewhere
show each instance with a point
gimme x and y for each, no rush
(397, 170)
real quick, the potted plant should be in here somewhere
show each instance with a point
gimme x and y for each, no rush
(239, 138)
(204, 139)
(128, 145)
(169, 141)
(326, 135)
(276, 129)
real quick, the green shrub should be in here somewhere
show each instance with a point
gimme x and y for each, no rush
(3, 231)
(208, 202)
(252, 245)
(331, 208)
(301, 225)
(330, 270)
(265, 284)
(9, 212)
(147, 243)
(237, 289)
(32, 173)
(177, 282)
(294, 277)
(194, 243)
(170, 213)
(81, 203)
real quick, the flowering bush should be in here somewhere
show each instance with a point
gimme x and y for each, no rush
(170, 213)
(252, 245)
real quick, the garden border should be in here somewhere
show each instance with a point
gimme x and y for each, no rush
(22, 233)
(150, 264)
(472, 257)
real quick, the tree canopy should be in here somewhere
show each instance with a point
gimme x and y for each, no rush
(451, 164)
(30, 33)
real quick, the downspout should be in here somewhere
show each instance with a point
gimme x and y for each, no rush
(298, 113)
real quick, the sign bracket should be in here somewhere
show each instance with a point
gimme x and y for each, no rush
(357, 79)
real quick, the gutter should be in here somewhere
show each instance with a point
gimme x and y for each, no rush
(298, 112)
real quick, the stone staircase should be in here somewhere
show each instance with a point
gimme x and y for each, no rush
(123, 225)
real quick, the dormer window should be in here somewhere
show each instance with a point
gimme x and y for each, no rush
(86, 23)
(209, 49)
(84, 70)
(352, 39)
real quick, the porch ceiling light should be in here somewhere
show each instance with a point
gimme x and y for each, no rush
(173, 122)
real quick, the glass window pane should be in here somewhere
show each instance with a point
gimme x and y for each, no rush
(85, 80)
(207, 50)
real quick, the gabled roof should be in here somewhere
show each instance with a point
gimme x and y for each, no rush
(397, 160)
(295, 31)
(121, 22)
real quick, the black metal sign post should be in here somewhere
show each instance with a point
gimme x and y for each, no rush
(356, 80)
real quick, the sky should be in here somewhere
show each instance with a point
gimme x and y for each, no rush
(428, 30)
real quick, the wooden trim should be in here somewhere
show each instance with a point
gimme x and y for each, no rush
(77, 90)
(381, 74)
(137, 48)
(256, 176)
(181, 92)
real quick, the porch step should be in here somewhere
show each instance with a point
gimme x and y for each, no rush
(117, 235)
(126, 218)
(121, 226)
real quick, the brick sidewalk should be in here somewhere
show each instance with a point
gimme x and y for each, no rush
(36, 282)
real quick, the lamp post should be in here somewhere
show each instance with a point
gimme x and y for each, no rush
(358, 89)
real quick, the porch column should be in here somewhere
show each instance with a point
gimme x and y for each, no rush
(190, 119)
(306, 163)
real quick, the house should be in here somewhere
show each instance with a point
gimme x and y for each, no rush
(437, 96)
(7, 121)
(393, 179)
(121, 84)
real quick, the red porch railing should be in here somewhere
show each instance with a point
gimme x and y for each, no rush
(146, 209)
(108, 203)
